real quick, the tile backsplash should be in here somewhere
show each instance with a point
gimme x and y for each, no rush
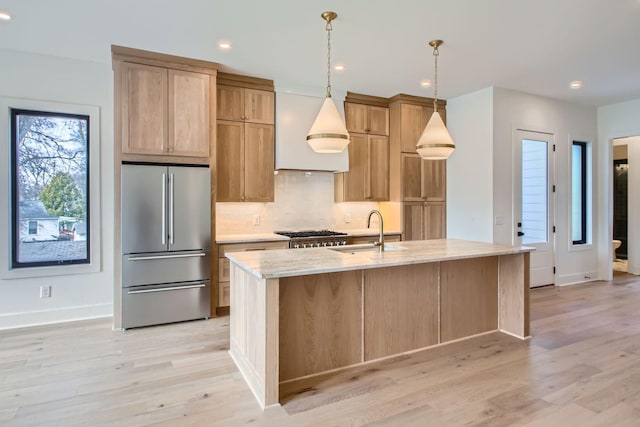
(303, 200)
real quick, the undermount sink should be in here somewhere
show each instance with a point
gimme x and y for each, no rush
(352, 249)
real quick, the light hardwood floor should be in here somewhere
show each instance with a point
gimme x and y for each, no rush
(582, 368)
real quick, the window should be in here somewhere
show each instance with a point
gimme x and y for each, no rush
(579, 193)
(49, 188)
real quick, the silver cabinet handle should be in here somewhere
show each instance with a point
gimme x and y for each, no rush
(173, 288)
(164, 208)
(171, 209)
(144, 258)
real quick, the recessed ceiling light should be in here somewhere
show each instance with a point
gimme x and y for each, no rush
(425, 83)
(4, 16)
(225, 45)
(576, 84)
(339, 67)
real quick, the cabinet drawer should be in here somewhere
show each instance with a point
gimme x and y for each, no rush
(224, 294)
(223, 269)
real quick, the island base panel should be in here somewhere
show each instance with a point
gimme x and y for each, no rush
(468, 297)
(320, 323)
(400, 309)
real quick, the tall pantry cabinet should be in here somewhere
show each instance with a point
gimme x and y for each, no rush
(246, 140)
(420, 185)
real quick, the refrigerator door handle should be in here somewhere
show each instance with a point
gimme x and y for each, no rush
(145, 258)
(164, 208)
(173, 288)
(171, 209)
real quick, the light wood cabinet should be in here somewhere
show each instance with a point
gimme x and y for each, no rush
(245, 104)
(419, 184)
(246, 140)
(164, 111)
(424, 220)
(368, 175)
(223, 263)
(245, 153)
(423, 180)
(370, 119)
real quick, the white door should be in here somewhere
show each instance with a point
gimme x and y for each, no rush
(533, 213)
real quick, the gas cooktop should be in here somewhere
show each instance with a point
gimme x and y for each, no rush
(309, 233)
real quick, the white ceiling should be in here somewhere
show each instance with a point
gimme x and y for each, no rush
(535, 46)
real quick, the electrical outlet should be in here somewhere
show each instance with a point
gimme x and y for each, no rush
(256, 220)
(45, 291)
(347, 218)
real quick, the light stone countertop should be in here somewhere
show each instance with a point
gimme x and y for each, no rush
(222, 239)
(299, 262)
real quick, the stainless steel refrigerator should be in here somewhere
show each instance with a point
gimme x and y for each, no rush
(166, 239)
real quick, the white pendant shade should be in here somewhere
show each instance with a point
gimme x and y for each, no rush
(328, 133)
(435, 143)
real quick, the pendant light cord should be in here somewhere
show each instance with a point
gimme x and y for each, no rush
(435, 99)
(329, 28)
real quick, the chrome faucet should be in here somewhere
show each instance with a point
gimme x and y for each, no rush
(380, 242)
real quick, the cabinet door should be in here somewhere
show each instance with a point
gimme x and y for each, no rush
(435, 220)
(354, 180)
(411, 126)
(259, 161)
(230, 161)
(434, 179)
(378, 121)
(188, 114)
(356, 117)
(412, 221)
(230, 103)
(259, 106)
(412, 177)
(144, 112)
(377, 171)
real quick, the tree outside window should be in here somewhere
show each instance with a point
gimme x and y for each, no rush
(50, 169)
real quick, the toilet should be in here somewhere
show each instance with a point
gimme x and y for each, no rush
(616, 245)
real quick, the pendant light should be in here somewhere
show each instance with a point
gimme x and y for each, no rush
(435, 143)
(328, 133)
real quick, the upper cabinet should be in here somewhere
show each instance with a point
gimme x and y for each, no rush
(164, 112)
(245, 104)
(423, 180)
(370, 119)
(368, 176)
(245, 149)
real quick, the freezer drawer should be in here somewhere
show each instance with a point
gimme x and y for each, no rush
(172, 302)
(165, 267)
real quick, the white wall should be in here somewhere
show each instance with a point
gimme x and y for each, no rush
(614, 121)
(567, 122)
(74, 296)
(469, 169)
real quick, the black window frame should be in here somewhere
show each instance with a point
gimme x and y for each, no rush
(15, 221)
(583, 190)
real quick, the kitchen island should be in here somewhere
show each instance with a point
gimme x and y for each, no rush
(297, 313)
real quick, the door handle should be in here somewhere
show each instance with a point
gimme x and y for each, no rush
(164, 208)
(171, 209)
(146, 258)
(173, 288)
(520, 234)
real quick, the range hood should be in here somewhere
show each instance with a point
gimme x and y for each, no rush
(295, 113)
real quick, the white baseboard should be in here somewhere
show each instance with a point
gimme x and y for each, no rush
(575, 279)
(59, 315)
